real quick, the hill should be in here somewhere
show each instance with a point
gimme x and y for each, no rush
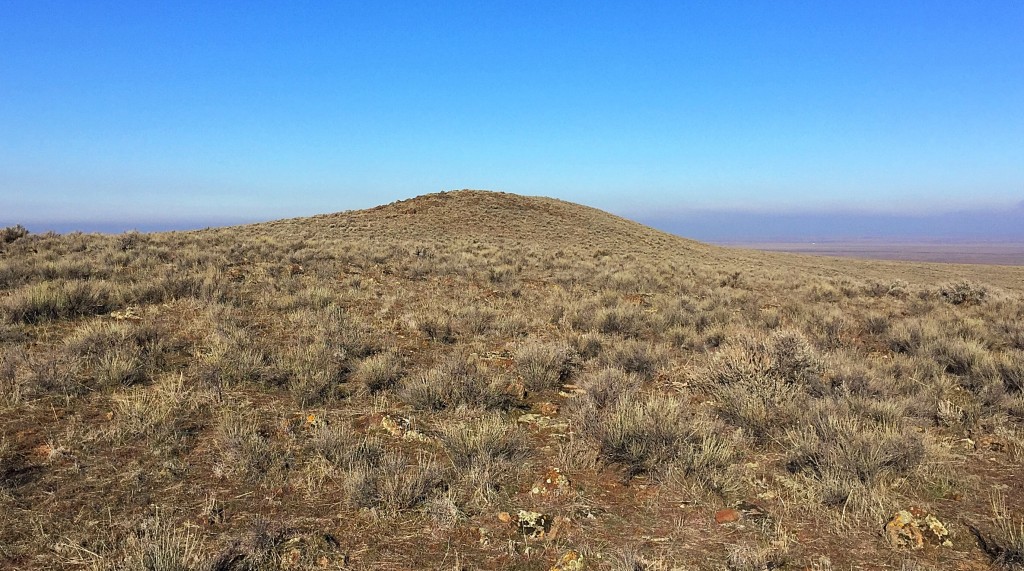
(475, 380)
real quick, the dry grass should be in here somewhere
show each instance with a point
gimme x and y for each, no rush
(373, 389)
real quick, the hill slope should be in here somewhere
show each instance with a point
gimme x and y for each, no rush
(476, 380)
(510, 219)
(495, 217)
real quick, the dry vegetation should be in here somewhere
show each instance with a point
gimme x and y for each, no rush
(372, 390)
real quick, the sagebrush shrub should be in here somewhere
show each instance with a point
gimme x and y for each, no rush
(59, 300)
(644, 434)
(380, 372)
(12, 233)
(545, 366)
(457, 381)
(963, 293)
(763, 386)
(485, 441)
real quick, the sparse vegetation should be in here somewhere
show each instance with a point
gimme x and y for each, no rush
(387, 389)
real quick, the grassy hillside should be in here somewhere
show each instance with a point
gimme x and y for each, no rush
(475, 380)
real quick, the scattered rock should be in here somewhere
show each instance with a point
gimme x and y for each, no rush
(505, 517)
(395, 425)
(571, 561)
(902, 533)
(936, 532)
(529, 418)
(751, 511)
(314, 421)
(991, 443)
(126, 314)
(547, 408)
(400, 427)
(533, 524)
(727, 516)
(416, 436)
(912, 527)
(554, 482)
(539, 421)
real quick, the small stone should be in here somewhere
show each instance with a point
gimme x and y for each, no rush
(571, 561)
(533, 524)
(726, 516)
(505, 517)
(554, 482)
(912, 527)
(991, 443)
(936, 532)
(416, 436)
(395, 425)
(901, 531)
(547, 408)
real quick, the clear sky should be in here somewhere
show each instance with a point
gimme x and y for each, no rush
(141, 114)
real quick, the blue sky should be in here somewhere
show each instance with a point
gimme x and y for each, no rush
(133, 114)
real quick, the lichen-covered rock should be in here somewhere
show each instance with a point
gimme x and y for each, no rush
(395, 425)
(533, 524)
(902, 533)
(554, 482)
(935, 532)
(913, 528)
(571, 561)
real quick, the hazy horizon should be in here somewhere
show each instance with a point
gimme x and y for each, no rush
(710, 225)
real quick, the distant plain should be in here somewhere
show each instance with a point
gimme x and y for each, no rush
(994, 253)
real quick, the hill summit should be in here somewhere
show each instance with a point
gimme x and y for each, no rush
(497, 217)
